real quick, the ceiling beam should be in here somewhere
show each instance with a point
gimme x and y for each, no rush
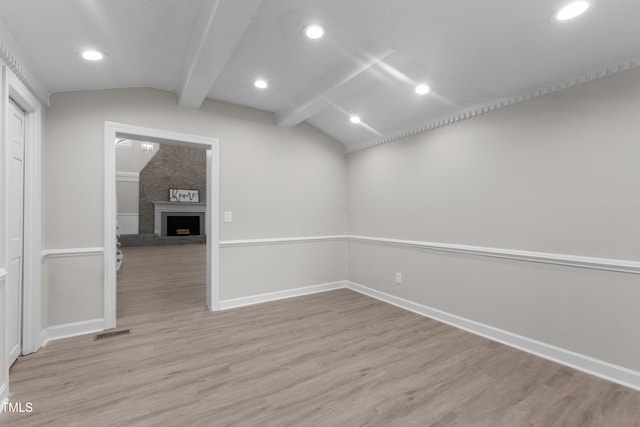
(221, 25)
(338, 84)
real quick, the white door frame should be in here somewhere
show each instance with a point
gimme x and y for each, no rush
(212, 214)
(32, 330)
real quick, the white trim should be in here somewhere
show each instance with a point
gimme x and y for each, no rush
(71, 252)
(18, 63)
(590, 365)
(476, 110)
(127, 176)
(280, 240)
(13, 87)
(3, 273)
(609, 264)
(278, 295)
(212, 220)
(212, 226)
(4, 396)
(619, 265)
(69, 330)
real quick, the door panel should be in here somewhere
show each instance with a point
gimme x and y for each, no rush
(15, 200)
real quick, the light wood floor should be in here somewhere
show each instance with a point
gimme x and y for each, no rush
(332, 359)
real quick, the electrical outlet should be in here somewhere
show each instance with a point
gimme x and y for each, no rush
(228, 216)
(398, 278)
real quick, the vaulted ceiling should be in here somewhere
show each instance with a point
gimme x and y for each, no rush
(475, 55)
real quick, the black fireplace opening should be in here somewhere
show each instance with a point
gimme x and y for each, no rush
(183, 225)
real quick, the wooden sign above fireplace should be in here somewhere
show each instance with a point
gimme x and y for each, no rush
(180, 195)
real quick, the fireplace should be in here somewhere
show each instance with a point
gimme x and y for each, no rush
(183, 225)
(179, 218)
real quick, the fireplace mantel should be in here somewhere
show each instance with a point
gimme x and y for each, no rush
(160, 208)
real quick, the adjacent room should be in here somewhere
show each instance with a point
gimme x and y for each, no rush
(319, 213)
(160, 223)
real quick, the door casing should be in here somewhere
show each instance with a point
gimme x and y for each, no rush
(212, 221)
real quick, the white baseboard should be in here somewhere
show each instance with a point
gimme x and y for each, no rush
(69, 330)
(4, 396)
(273, 296)
(590, 365)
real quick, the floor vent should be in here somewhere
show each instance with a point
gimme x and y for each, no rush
(110, 334)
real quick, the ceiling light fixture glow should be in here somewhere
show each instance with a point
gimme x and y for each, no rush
(422, 89)
(314, 31)
(355, 119)
(260, 84)
(92, 55)
(572, 10)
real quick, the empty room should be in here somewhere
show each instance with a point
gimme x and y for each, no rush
(319, 213)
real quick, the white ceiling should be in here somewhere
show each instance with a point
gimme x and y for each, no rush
(473, 54)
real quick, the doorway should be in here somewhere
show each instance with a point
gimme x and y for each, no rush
(211, 145)
(161, 257)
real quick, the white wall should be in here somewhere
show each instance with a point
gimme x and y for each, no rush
(128, 198)
(250, 270)
(279, 182)
(557, 174)
(130, 160)
(133, 159)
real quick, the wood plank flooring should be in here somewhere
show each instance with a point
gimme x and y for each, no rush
(332, 359)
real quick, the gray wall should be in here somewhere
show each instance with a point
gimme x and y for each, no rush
(555, 174)
(279, 182)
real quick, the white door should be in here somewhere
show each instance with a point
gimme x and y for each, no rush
(15, 205)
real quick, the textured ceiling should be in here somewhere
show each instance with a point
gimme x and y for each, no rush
(475, 55)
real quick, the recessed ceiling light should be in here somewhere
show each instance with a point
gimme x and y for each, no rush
(571, 10)
(260, 84)
(92, 55)
(314, 31)
(355, 119)
(422, 89)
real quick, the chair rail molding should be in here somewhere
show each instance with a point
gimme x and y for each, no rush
(127, 176)
(71, 252)
(280, 240)
(610, 264)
